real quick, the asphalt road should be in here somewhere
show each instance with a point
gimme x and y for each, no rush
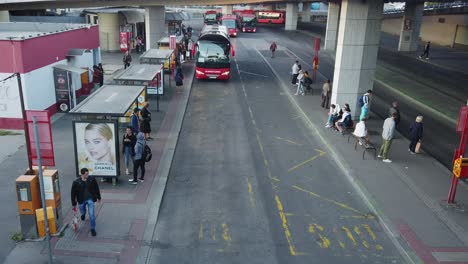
(250, 183)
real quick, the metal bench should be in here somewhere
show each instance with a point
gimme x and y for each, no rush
(366, 145)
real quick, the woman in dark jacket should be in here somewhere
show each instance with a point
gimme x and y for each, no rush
(128, 142)
(179, 77)
(145, 125)
(416, 133)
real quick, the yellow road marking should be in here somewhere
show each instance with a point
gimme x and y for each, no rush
(213, 232)
(350, 235)
(359, 233)
(379, 247)
(320, 151)
(357, 230)
(342, 205)
(289, 141)
(369, 230)
(367, 216)
(226, 235)
(324, 241)
(200, 232)
(251, 194)
(284, 221)
(305, 162)
(365, 244)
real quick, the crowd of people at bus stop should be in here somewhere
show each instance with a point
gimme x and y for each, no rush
(340, 117)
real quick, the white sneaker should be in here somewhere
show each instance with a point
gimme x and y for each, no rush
(130, 180)
(127, 172)
(327, 126)
(387, 160)
(295, 94)
(379, 156)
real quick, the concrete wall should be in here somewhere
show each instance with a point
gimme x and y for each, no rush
(431, 29)
(109, 32)
(49, 19)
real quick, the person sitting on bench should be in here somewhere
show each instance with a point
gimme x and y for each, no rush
(345, 121)
(361, 130)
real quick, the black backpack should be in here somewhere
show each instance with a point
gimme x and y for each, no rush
(146, 155)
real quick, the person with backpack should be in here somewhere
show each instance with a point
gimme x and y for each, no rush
(364, 103)
(85, 192)
(139, 161)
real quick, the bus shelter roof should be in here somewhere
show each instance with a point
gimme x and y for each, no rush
(139, 72)
(112, 100)
(157, 54)
(166, 39)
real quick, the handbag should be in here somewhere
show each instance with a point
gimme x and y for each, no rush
(417, 149)
(75, 222)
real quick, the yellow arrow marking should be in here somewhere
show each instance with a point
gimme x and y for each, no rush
(342, 205)
(306, 161)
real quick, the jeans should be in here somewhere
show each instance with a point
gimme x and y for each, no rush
(138, 163)
(385, 148)
(127, 156)
(331, 119)
(300, 88)
(92, 217)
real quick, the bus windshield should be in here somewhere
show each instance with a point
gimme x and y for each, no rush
(229, 23)
(210, 16)
(247, 19)
(212, 54)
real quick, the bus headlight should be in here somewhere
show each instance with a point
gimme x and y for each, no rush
(199, 72)
(225, 73)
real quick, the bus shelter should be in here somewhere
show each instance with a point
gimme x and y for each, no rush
(150, 75)
(96, 124)
(158, 56)
(163, 43)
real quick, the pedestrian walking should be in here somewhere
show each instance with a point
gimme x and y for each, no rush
(146, 123)
(129, 141)
(325, 94)
(300, 83)
(295, 72)
(190, 48)
(416, 133)
(135, 120)
(179, 77)
(85, 192)
(96, 78)
(127, 59)
(101, 79)
(425, 54)
(387, 136)
(139, 161)
(273, 48)
(394, 109)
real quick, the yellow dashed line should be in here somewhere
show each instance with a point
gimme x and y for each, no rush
(284, 221)
(379, 247)
(342, 205)
(288, 141)
(350, 235)
(251, 194)
(369, 230)
(365, 244)
(357, 230)
(226, 235)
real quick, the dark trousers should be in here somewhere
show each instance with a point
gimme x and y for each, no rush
(425, 54)
(325, 100)
(294, 78)
(138, 164)
(412, 145)
(126, 64)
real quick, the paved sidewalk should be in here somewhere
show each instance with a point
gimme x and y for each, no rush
(127, 214)
(407, 195)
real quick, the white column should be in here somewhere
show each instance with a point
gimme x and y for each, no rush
(4, 16)
(155, 25)
(227, 9)
(356, 51)
(410, 27)
(291, 16)
(333, 19)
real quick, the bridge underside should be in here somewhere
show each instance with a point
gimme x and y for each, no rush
(43, 4)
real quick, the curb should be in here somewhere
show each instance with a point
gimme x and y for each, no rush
(159, 186)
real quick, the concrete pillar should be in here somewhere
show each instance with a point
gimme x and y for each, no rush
(227, 9)
(4, 16)
(356, 51)
(155, 25)
(291, 16)
(109, 31)
(333, 19)
(410, 27)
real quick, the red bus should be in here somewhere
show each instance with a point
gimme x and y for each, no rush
(271, 17)
(248, 23)
(230, 21)
(211, 17)
(212, 53)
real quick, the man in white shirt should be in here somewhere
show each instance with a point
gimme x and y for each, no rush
(387, 136)
(295, 72)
